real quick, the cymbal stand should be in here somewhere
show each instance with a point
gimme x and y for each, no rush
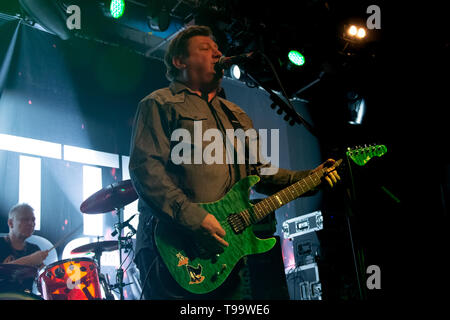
(104, 281)
(123, 243)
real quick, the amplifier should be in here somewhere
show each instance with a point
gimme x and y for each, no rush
(303, 282)
(302, 225)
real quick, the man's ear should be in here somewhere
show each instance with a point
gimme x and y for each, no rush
(179, 63)
(10, 223)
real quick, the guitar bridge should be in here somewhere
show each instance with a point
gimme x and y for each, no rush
(236, 222)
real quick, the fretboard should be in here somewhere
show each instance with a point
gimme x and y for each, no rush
(261, 209)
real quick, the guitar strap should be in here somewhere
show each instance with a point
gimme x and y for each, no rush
(236, 125)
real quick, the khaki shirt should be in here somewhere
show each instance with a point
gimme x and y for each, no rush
(170, 191)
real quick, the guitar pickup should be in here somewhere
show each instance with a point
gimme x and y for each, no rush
(236, 222)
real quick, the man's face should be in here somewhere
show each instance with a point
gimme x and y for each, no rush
(203, 54)
(22, 224)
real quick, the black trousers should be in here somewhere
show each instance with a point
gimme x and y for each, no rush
(158, 284)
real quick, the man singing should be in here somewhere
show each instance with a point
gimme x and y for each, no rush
(169, 192)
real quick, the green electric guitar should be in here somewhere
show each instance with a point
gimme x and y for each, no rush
(201, 270)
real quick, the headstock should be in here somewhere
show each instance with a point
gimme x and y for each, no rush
(361, 155)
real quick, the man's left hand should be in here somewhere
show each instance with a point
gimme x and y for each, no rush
(332, 176)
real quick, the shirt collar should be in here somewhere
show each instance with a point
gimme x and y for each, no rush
(177, 87)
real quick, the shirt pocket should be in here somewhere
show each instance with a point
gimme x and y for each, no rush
(190, 120)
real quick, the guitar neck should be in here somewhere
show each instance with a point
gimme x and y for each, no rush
(261, 209)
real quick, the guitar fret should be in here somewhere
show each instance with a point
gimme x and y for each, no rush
(283, 192)
(286, 195)
(263, 206)
(317, 177)
(245, 214)
(256, 211)
(307, 185)
(296, 192)
(300, 184)
(292, 192)
(295, 189)
(274, 204)
(258, 214)
(314, 183)
(267, 206)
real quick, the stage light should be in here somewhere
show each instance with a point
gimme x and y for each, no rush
(357, 108)
(296, 58)
(30, 185)
(30, 146)
(361, 33)
(88, 156)
(355, 32)
(352, 31)
(117, 8)
(235, 72)
(158, 15)
(92, 182)
(131, 208)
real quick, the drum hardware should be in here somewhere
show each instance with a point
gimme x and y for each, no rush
(104, 282)
(98, 248)
(125, 243)
(115, 197)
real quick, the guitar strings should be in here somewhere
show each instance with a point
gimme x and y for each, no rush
(225, 223)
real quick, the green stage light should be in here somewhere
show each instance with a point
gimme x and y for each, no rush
(117, 8)
(296, 58)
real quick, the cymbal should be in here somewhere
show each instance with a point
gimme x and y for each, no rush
(114, 196)
(16, 272)
(110, 245)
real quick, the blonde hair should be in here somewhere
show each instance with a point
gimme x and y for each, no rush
(17, 208)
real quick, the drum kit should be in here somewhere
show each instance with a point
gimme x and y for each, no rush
(80, 278)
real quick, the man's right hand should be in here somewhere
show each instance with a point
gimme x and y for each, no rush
(210, 226)
(37, 258)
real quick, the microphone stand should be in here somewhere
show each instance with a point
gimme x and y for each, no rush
(291, 113)
(283, 106)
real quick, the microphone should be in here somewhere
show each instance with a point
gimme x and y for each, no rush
(226, 62)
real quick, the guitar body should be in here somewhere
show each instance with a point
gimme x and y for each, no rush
(202, 272)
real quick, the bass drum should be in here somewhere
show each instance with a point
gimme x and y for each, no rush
(18, 295)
